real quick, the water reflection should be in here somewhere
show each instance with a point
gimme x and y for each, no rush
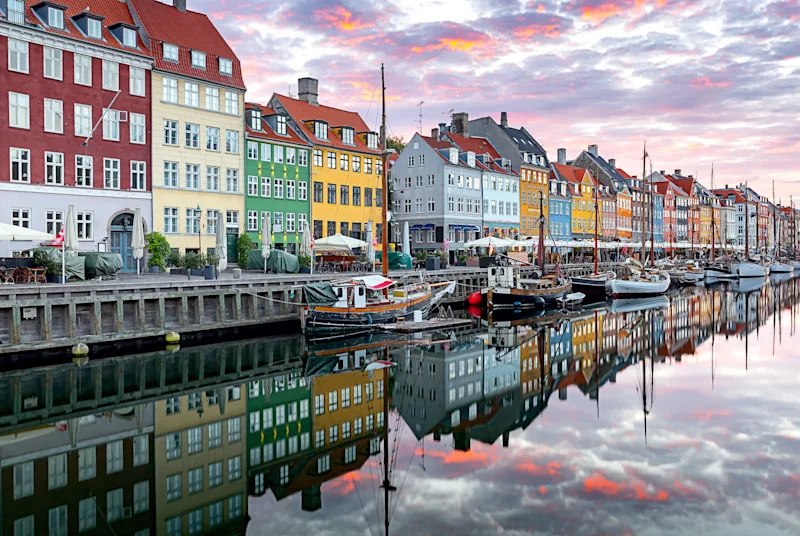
(656, 415)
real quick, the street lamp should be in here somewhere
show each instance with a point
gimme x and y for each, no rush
(198, 212)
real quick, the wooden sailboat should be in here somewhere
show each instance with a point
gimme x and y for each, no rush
(778, 265)
(359, 302)
(793, 240)
(597, 285)
(748, 267)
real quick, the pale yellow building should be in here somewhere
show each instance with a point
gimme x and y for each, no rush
(200, 462)
(197, 128)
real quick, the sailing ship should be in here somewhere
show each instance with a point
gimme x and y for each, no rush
(506, 286)
(778, 265)
(357, 303)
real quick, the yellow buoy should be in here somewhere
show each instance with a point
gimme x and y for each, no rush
(80, 349)
(172, 348)
(173, 337)
(80, 361)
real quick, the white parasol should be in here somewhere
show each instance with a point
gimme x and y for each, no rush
(221, 248)
(137, 241)
(340, 241)
(406, 239)
(266, 238)
(23, 234)
(370, 245)
(70, 245)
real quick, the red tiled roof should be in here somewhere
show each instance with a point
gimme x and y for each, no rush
(573, 174)
(189, 31)
(725, 192)
(684, 183)
(267, 133)
(623, 173)
(436, 144)
(479, 146)
(302, 111)
(114, 11)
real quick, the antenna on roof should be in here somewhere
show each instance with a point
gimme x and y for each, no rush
(419, 121)
(291, 96)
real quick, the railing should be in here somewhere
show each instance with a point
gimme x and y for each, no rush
(16, 16)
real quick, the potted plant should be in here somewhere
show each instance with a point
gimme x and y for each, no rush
(461, 259)
(157, 252)
(43, 258)
(244, 244)
(194, 262)
(305, 264)
(211, 265)
(175, 261)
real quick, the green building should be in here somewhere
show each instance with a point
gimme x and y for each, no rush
(277, 171)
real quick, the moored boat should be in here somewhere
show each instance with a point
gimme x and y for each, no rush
(781, 267)
(572, 300)
(641, 284)
(594, 286)
(507, 288)
(749, 268)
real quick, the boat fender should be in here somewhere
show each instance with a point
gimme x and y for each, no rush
(475, 298)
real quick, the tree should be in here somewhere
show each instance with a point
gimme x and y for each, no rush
(398, 143)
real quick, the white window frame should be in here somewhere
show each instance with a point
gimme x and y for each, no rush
(85, 220)
(54, 116)
(169, 90)
(129, 38)
(109, 172)
(54, 168)
(53, 63)
(191, 94)
(82, 69)
(212, 98)
(198, 59)
(170, 52)
(212, 141)
(138, 128)
(82, 121)
(94, 28)
(21, 217)
(231, 102)
(19, 110)
(18, 56)
(110, 75)
(136, 85)
(225, 67)
(23, 164)
(111, 125)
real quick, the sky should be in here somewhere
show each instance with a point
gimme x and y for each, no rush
(701, 81)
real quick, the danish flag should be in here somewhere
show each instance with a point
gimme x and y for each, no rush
(59, 241)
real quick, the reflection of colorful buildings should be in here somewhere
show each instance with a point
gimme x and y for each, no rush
(200, 462)
(93, 473)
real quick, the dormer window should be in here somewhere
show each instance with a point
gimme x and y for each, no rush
(225, 66)
(280, 125)
(129, 37)
(347, 135)
(255, 119)
(94, 28)
(170, 52)
(55, 18)
(372, 141)
(198, 60)
(321, 130)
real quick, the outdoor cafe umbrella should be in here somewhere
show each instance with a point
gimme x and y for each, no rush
(137, 242)
(23, 234)
(339, 241)
(370, 245)
(306, 247)
(406, 240)
(266, 238)
(221, 248)
(70, 240)
(490, 242)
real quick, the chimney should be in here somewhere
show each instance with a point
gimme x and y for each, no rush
(180, 5)
(593, 149)
(460, 124)
(442, 128)
(691, 176)
(435, 133)
(504, 119)
(308, 90)
(612, 162)
(677, 172)
(663, 171)
(562, 156)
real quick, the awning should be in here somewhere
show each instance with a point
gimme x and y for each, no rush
(415, 227)
(375, 282)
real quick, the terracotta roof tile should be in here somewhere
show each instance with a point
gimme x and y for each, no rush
(302, 111)
(267, 133)
(436, 144)
(479, 146)
(189, 31)
(573, 174)
(725, 192)
(623, 173)
(113, 12)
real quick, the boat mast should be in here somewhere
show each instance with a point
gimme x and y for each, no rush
(384, 184)
(641, 214)
(387, 485)
(775, 228)
(540, 252)
(652, 222)
(713, 248)
(596, 187)
(746, 224)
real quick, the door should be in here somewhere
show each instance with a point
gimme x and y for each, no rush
(121, 240)
(233, 254)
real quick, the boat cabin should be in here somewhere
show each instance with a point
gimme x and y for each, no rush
(350, 295)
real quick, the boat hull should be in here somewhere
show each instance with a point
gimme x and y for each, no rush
(780, 268)
(748, 269)
(331, 319)
(719, 272)
(796, 265)
(594, 289)
(622, 288)
(523, 298)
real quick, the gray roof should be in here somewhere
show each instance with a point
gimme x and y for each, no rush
(525, 142)
(606, 167)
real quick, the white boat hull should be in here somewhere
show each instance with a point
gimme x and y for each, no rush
(693, 276)
(748, 269)
(796, 265)
(624, 287)
(780, 268)
(719, 272)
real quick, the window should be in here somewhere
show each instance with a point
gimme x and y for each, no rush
(114, 504)
(171, 223)
(82, 69)
(331, 160)
(231, 102)
(333, 434)
(346, 430)
(192, 133)
(111, 173)
(111, 125)
(141, 497)
(235, 506)
(84, 170)
(324, 464)
(369, 389)
(94, 28)
(234, 468)
(54, 221)
(136, 81)
(278, 154)
(357, 425)
(55, 18)
(56, 471)
(231, 141)
(18, 56)
(291, 156)
(212, 178)
(129, 38)
(225, 66)
(302, 191)
(196, 521)
(19, 110)
(321, 130)
(141, 450)
(214, 435)
(344, 194)
(212, 217)
(319, 438)
(114, 457)
(212, 139)
(83, 120)
(54, 168)
(23, 480)
(234, 430)
(302, 158)
(319, 404)
(110, 75)
(87, 514)
(170, 132)
(137, 122)
(191, 94)
(85, 222)
(53, 63)
(252, 150)
(194, 436)
(290, 222)
(344, 161)
(318, 157)
(53, 116)
(170, 52)
(232, 180)
(57, 521)
(169, 88)
(195, 477)
(21, 217)
(215, 514)
(174, 487)
(212, 99)
(333, 401)
(214, 474)
(198, 60)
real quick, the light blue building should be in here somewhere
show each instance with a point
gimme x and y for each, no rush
(560, 208)
(658, 217)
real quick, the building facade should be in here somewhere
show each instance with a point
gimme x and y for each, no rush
(198, 129)
(582, 185)
(277, 173)
(347, 166)
(560, 206)
(77, 126)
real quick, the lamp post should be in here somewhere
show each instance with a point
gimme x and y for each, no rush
(198, 212)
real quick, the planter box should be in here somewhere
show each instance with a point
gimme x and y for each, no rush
(305, 270)
(155, 270)
(177, 271)
(198, 273)
(53, 278)
(473, 262)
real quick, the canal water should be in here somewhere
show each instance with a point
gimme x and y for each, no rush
(676, 415)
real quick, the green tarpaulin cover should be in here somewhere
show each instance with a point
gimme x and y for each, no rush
(74, 266)
(397, 260)
(319, 294)
(279, 262)
(101, 264)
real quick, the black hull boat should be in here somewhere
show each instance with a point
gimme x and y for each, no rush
(595, 289)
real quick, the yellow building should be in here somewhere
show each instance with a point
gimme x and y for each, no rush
(200, 462)
(533, 366)
(582, 184)
(533, 186)
(705, 224)
(197, 129)
(346, 173)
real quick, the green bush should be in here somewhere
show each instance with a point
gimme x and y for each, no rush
(243, 246)
(174, 259)
(158, 250)
(212, 260)
(193, 261)
(305, 261)
(45, 259)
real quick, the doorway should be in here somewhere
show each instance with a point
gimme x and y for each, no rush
(121, 239)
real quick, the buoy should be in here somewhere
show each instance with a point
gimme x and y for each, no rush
(173, 337)
(474, 311)
(80, 350)
(81, 361)
(476, 298)
(172, 348)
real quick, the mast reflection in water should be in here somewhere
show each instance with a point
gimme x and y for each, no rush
(653, 416)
